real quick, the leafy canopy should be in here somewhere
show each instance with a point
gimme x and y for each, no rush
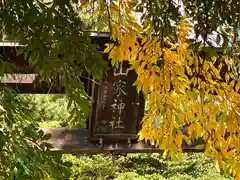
(183, 87)
(59, 49)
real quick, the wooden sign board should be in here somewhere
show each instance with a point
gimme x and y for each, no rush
(117, 108)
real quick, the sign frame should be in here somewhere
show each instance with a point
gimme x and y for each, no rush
(94, 93)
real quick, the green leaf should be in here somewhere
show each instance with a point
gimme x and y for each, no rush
(20, 51)
(218, 39)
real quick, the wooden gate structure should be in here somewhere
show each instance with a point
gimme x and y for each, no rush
(117, 108)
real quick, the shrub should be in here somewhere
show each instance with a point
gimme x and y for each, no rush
(143, 167)
(93, 167)
(52, 111)
(134, 176)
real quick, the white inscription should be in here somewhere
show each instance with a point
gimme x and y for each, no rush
(120, 71)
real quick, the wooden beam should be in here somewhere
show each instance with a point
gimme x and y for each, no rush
(34, 88)
(75, 141)
(29, 84)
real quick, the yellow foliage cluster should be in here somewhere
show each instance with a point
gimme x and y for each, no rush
(182, 89)
(209, 107)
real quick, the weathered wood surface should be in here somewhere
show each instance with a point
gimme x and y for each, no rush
(76, 141)
(118, 108)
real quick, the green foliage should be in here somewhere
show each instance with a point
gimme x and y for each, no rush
(52, 111)
(96, 166)
(218, 17)
(143, 167)
(133, 176)
(23, 156)
(60, 52)
(212, 16)
(56, 45)
(163, 17)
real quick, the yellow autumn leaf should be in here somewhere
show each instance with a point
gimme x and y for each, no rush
(232, 83)
(140, 136)
(189, 71)
(108, 48)
(227, 77)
